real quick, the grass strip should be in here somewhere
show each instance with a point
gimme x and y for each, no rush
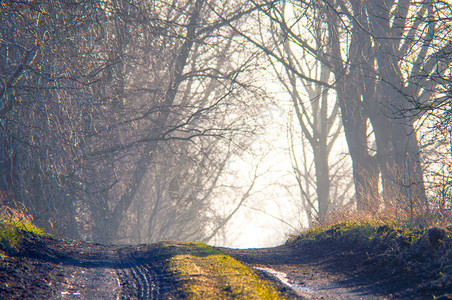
(12, 232)
(207, 273)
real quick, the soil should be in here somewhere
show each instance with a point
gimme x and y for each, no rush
(322, 270)
(49, 268)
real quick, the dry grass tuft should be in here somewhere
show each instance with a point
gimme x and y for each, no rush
(15, 215)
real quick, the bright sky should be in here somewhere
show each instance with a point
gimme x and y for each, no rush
(256, 224)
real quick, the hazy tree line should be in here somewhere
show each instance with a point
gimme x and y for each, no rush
(386, 64)
(118, 117)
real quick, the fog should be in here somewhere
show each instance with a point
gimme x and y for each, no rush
(234, 123)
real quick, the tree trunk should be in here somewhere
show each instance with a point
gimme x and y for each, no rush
(6, 192)
(365, 170)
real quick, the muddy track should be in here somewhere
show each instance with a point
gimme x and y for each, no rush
(61, 269)
(143, 275)
(137, 279)
(49, 268)
(312, 275)
(58, 269)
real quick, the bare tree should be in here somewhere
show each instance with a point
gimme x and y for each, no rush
(105, 105)
(202, 102)
(375, 49)
(317, 112)
(46, 106)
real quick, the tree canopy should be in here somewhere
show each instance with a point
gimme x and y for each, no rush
(118, 118)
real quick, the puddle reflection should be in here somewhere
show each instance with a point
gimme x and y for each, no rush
(282, 277)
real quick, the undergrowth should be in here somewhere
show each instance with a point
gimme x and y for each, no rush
(11, 233)
(424, 254)
(360, 230)
(15, 224)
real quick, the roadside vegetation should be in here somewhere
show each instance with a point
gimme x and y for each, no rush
(12, 232)
(421, 255)
(15, 225)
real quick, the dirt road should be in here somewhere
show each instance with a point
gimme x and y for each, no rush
(61, 269)
(312, 275)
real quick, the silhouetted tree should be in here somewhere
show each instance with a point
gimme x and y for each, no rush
(377, 51)
(98, 98)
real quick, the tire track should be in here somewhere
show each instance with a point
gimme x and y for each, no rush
(141, 279)
(50, 268)
(132, 284)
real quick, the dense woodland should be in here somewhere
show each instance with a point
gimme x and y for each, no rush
(119, 118)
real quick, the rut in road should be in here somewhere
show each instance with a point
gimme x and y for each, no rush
(145, 277)
(49, 268)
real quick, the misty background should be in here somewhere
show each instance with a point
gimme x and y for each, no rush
(235, 123)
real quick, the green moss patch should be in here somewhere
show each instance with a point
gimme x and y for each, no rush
(207, 273)
(12, 232)
(360, 232)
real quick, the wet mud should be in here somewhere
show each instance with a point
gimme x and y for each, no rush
(48, 268)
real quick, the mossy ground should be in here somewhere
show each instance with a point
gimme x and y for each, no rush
(207, 273)
(362, 231)
(12, 232)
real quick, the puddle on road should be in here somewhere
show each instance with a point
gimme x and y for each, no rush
(299, 288)
(319, 287)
